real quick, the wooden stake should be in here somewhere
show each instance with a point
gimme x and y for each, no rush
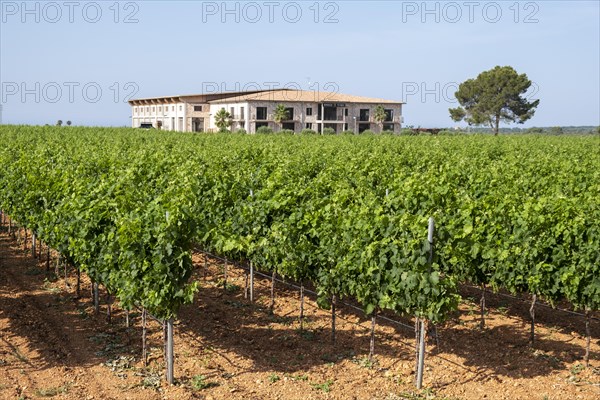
(33, 239)
(246, 285)
(272, 303)
(372, 344)
(78, 282)
(532, 313)
(108, 308)
(301, 306)
(96, 298)
(225, 275)
(421, 361)
(416, 345)
(251, 282)
(588, 335)
(144, 344)
(333, 299)
(170, 359)
(482, 307)
(65, 263)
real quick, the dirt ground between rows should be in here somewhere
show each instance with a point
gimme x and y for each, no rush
(52, 345)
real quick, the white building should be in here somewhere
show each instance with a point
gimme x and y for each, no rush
(251, 110)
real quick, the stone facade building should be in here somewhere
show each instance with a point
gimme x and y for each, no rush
(251, 110)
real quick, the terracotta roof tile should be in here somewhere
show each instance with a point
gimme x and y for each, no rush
(303, 96)
(280, 95)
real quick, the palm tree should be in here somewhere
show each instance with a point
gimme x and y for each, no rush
(280, 114)
(379, 116)
(223, 120)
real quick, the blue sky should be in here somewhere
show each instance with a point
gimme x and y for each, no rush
(82, 60)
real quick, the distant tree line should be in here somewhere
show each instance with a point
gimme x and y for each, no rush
(549, 130)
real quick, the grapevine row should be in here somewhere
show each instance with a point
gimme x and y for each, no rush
(348, 214)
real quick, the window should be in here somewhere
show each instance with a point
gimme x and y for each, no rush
(231, 113)
(159, 109)
(147, 109)
(364, 114)
(345, 112)
(308, 125)
(363, 127)
(330, 113)
(288, 125)
(389, 115)
(346, 125)
(241, 112)
(388, 127)
(198, 124)
(197, 108)
(261, 113)
(308, 113)
(180, 108)
(153, 109)
(172, 108)
(290, 113)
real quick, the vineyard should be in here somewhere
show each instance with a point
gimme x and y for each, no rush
(347, 216)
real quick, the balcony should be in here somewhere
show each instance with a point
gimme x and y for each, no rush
(334, 118)
(269, 118)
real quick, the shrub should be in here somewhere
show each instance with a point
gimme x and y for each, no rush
(388, 132)
(286, 132)
(264, 130)
(240, 131)
(328, 131)
(348, 133)
(450, 132)
(556, 130)
(368, 132)
(535, 130)
(308, 132)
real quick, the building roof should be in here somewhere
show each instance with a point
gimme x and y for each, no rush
(306, 96)
(278, 95)
(200, 98)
